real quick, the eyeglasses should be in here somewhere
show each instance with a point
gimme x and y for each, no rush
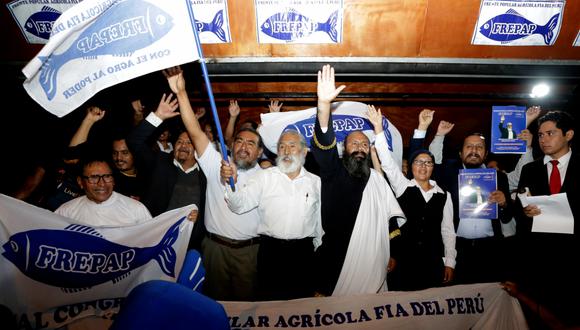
(421, 163)
(94, 179)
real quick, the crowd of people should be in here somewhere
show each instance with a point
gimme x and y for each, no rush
(349, 225)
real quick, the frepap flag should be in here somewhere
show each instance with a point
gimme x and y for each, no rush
(100, 43)
(54, 270)
(346, 117)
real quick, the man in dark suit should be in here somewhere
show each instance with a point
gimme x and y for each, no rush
(174, 180)
(548, 260)
(507, 132)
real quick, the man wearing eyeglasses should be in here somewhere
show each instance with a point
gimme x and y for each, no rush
(101, 206)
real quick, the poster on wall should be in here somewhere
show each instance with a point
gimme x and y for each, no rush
(577, 40)
(518, 23)
(299, 21)
(35, 18)
(212, 21)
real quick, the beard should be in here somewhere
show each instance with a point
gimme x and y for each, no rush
(245, 164)
(473, 162)
(290, 163)
(358, 164)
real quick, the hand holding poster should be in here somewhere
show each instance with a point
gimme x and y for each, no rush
(475, 186)
(506, 123)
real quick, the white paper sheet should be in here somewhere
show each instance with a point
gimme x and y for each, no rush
(556, 216)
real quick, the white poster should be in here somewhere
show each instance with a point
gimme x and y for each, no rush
(577, 40)
(35, 18)
(346, 117)
(518, 23)
(475, 306)
(54, 271)
(299, 21)
(212, 21)
(100, 43)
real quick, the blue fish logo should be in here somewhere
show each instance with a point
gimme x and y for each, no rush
(215, 26)
(342, 125)
(40, 23)
(79, 257)
(291, 26)
(130, 26)
(513, 26)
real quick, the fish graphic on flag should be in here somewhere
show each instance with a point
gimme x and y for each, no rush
(99, 43)
(40, 23)
(513, 26)
(292, 26)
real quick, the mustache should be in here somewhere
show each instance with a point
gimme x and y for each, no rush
(473, 155)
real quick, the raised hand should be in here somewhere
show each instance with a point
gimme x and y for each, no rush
(228, 170)
(527, 136)
(425, 119)
(376, 118)
(175, 79)
(234, 108)
(166, 108)
(275, 106)
(444, 127)
(200, 112)
(326, 89)
(94, 114)
(532, 114)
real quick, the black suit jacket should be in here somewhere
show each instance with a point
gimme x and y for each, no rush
(161, 177)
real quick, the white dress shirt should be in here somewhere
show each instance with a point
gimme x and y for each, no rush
(118, 210)
(288, 208)
(218, 217)
(400, 183)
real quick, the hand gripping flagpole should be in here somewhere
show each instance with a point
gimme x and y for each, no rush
(216, 118)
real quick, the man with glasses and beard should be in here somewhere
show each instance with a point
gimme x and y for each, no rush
(101, 206)
(230, 247)
(357, 208)
(287, 198)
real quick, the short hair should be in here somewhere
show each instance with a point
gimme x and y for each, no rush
(563, 120)
(481, 136)
(294, 132)
(253, 131)
(252, 123)
(86, 162)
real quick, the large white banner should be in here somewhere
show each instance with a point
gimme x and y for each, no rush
(518, 22)
(54, 271)
(100, 43)
(35, 18)
(299, 21)
(476, 306)
(346, 117)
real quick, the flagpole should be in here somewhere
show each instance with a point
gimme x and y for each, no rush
(216, 118)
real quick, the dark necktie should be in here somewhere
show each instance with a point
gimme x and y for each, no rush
(555, 182)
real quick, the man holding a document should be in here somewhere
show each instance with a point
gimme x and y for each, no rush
(548, 249)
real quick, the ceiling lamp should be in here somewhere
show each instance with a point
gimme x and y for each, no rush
(540, 90)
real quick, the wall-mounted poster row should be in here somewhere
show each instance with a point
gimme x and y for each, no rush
(299, 21)
(518, 23)
(36, 18)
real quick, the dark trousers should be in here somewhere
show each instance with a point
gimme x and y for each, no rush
(479, 260)
(285, 268)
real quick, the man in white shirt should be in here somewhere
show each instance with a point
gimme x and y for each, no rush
(287, 198)
(230, 247)
(101, 206)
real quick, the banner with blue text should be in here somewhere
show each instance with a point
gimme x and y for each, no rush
(347, 117)
(55, 271)
(99, 43)
(518, 22)
(475, 306)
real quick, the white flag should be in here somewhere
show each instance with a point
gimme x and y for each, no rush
(54, 270)
(346, 117)
(100, 43)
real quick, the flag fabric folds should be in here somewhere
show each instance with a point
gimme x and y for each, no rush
(54, 270)
(346, 117)
(99, 43)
